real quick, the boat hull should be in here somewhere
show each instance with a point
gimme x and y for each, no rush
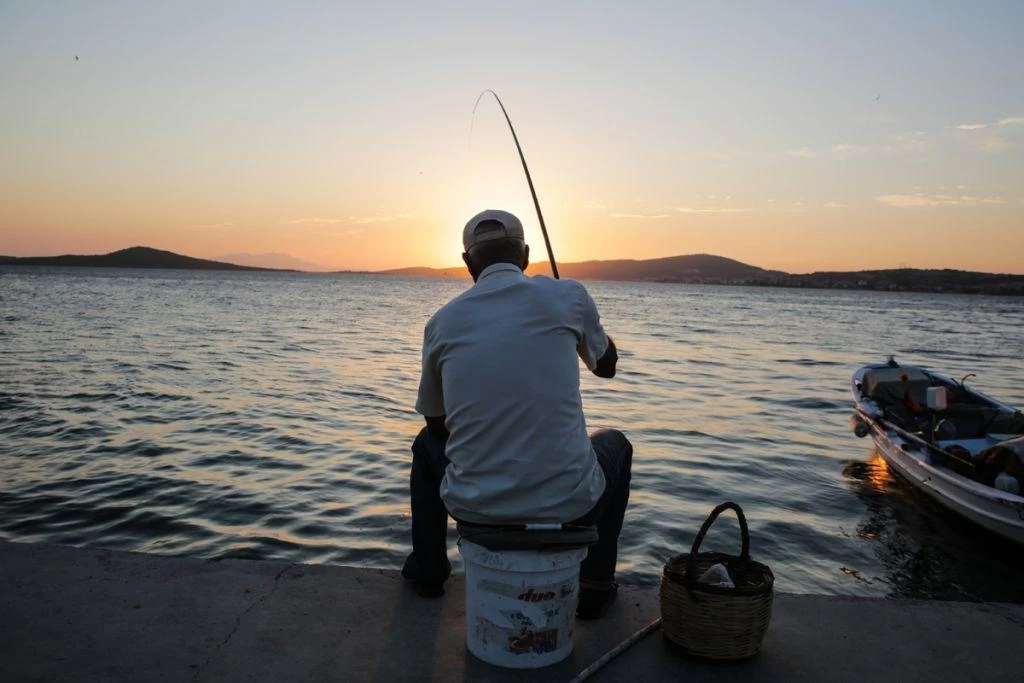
(998, 511)
(1004, 519)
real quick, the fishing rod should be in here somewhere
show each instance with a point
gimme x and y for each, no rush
(529, 180)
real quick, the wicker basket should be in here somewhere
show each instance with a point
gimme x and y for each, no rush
(712, 622)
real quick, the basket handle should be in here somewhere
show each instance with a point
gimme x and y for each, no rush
(691, 562)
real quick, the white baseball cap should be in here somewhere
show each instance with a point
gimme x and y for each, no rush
(492, 224)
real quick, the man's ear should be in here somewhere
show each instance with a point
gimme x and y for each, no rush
(469, 266)
(526, 257)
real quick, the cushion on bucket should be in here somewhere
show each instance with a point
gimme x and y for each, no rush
(516, 537)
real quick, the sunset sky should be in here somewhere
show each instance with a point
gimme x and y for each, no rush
(798, 136)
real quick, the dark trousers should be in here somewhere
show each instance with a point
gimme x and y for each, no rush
(429, 559)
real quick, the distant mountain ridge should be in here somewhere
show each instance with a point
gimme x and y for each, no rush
(689, 268)
(274, 260)
(914, 280)
(133, 257)
(710, 269)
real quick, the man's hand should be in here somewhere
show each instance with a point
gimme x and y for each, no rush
(606, 363)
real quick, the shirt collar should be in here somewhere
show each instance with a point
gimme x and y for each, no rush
(498, 268)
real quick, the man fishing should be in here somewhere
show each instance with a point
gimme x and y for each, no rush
(505, 440)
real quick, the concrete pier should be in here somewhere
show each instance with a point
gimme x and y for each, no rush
(73, 614)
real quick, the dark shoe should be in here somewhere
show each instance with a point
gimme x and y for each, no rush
(594, 602)
(425, 589)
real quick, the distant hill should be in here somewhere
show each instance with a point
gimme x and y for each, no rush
(271, 260)
(134, 257)
(916, 280)
(710, 269)
(691, 268)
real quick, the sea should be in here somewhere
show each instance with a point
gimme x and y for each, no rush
(269, 415)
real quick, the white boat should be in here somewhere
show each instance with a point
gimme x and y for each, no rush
(949, 440)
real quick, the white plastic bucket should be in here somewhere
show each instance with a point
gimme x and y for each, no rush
(520, 604)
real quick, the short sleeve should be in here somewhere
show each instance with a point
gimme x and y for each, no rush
(430, 400)
(593, 341)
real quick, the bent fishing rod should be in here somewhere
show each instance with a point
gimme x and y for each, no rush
(529, 180)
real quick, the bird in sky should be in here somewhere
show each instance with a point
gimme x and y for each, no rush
(76, 58)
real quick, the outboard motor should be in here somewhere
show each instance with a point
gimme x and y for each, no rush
(859, 426)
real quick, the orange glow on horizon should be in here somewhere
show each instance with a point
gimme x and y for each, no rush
(789, 241)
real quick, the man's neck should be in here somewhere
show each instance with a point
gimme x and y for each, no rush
(499, 267)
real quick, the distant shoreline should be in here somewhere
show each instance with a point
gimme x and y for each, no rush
(812, 281)
(694, 269)
(968, 290)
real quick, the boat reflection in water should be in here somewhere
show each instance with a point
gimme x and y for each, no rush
(925, 550)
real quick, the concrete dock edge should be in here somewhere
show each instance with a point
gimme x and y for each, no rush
(83, 614)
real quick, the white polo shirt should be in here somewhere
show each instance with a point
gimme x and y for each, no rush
(499, 361)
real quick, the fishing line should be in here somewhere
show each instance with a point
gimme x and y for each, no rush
(529, 180)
